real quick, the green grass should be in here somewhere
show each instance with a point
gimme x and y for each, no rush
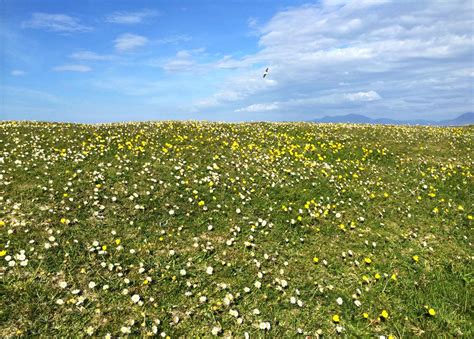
(110, 203)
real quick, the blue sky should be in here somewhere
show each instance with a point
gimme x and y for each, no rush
(100, 61)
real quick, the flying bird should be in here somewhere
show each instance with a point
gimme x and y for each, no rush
(266, 73)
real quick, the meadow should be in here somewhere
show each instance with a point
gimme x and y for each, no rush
(199, 229)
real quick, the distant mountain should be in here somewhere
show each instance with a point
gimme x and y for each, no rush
(463, 119)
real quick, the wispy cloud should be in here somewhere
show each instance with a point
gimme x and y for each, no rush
(127, 42)
(55, 23)
(259, 107)
(130, 17)
(92, 56)
(20, 93)
(363, 96)
(174, 39)
(17, 72)
(72, 68)
(184, 60)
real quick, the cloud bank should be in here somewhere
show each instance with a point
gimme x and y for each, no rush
(374, 57)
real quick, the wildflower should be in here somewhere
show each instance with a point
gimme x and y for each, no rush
(432, 312)
(135, 298)
(63, 284)
(365, 315)
(216, 330)
(209, 270)
(335, 318)
(415, 258)
(384, 314)
(90, 330)
(339, 301)
(125, 330)
(315, 260)
(368, 261)
(3, 253)
(92, 284)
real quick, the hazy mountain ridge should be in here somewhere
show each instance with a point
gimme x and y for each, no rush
(463, 119)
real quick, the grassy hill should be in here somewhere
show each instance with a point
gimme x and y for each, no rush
(269, 229)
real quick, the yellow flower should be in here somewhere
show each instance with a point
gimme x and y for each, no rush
(367, 260)
(104, 248)
(416, 258)
(377, 276)
(118, 241)
(2, 223)
(336, 318)
(432, 312)
(393, 277)
(384, 314)
(63, 220)
(315, 260)
(201, 203)
(365, 315)
(145, 282)
(3, 253)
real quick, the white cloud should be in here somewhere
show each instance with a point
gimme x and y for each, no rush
(259, 107)
(184, 60)
(88, 55)
(17, 72)
(363, 96)
(130, 17)
(127, 42)
(55, 22)
(72, 68)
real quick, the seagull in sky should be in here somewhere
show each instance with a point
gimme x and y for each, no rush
(266, 73)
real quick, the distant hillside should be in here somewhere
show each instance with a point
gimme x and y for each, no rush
(463, 119)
